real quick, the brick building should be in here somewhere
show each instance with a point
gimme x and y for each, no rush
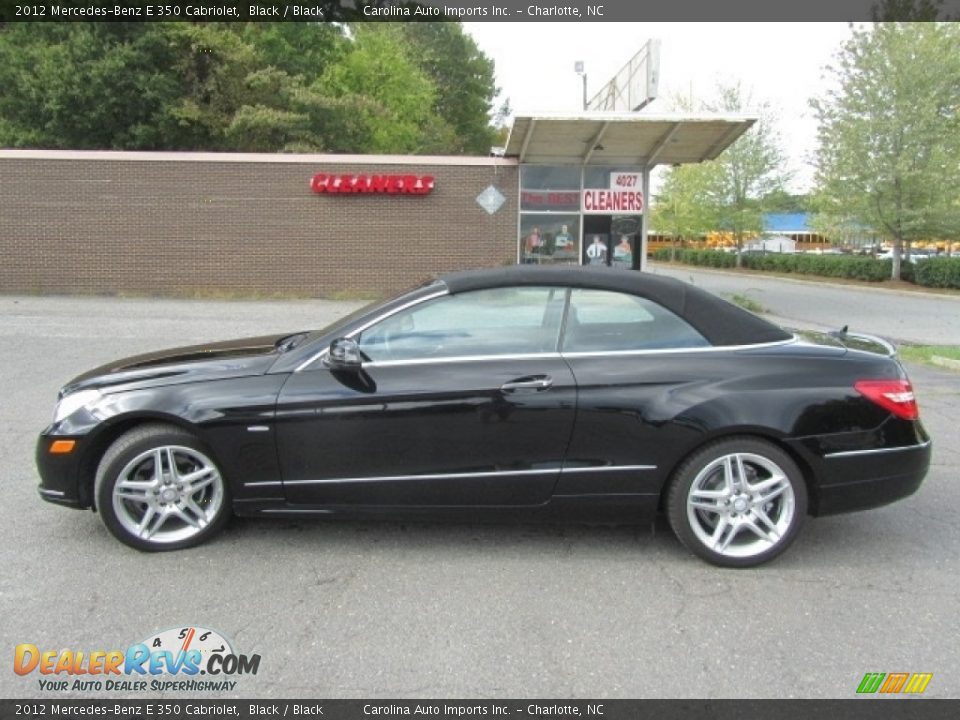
(147, 223)
(203, 223)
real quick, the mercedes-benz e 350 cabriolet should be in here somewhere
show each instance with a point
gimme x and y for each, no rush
(591, 395)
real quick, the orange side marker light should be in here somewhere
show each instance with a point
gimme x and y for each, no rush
(62, 447)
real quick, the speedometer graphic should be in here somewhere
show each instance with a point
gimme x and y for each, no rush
(184, 639)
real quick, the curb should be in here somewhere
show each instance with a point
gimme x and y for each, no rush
(945, 362)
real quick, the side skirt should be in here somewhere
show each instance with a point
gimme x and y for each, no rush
(618, 508)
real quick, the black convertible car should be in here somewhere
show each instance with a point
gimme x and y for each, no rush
(592, 395)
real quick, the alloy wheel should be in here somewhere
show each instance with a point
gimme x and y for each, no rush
(167, 494)
(741, 505)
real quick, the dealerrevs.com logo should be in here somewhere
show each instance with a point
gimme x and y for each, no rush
(173, 660)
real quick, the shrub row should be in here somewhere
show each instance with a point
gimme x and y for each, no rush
(707, 258)
(836, 266)
(941, 272)
(935, 272)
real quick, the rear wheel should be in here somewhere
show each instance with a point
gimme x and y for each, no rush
(737, 502)
(158, 489)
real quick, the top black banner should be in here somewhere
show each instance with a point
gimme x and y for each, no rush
(477, 10)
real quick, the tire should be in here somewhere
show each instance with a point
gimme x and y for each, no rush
(183, 505)
(731, 523)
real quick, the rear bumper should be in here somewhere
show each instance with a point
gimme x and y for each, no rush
(859, 480)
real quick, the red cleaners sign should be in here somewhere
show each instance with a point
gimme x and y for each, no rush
(381, 184)
(625, 195)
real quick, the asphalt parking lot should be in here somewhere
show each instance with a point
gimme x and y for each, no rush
(384, 610)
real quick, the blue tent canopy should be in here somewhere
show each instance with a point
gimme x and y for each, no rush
(786, 223)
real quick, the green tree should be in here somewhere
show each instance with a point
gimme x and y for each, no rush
(399, 112)
(84, 85)
(889, 137)
(679, 210)
(174, 86)
(464, 81)
(297, 48)
(746, 173)
(780, 201)
(731, 193)
(906, 10)
(212, 66)
(267, 87)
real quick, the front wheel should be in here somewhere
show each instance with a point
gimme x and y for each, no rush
(737, 502)
(158, 489)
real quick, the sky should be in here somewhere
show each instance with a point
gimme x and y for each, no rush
(781, 63)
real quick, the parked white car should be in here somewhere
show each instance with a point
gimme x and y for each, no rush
(913, 257)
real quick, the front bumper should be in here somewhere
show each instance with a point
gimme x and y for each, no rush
(60, 473)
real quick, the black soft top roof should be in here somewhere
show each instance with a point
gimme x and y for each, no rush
(719, 321)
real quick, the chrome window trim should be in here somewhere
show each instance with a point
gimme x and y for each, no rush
(436, 476)
(674, 350)
(583, 354)
(384, 316)
(606, 468)
(461, 358)
(302, 511)
(877, 451)
(466, 475)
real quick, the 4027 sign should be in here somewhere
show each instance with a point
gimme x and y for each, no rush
(626, 181)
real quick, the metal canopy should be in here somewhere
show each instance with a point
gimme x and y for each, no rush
(604, 138)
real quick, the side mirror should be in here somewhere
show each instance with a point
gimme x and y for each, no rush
(344, 354)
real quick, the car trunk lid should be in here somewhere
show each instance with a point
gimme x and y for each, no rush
(847, 340)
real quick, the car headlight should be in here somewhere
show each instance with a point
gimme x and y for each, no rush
(69, 404)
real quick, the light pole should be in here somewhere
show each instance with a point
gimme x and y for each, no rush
(578, 68)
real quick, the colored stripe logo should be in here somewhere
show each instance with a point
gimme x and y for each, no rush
(894, 683)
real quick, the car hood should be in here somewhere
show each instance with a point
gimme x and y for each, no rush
(226, 359)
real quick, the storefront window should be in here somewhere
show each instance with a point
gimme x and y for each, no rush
(549, 238)
(550, 189)
(596, 223)
(542, 177)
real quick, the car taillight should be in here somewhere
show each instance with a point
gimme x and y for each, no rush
(893, 395)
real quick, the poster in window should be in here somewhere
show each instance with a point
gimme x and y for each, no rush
(597, 248)
(549, 238)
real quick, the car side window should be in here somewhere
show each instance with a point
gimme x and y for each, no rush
(499, 321)
(601, 320)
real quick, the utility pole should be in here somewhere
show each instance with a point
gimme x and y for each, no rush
(578, 68)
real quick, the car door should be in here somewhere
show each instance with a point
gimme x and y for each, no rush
(637, 367)
(462, 400)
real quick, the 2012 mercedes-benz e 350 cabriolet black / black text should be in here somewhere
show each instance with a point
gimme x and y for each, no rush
(583, 394)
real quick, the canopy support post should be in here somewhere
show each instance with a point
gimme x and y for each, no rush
(644, 220)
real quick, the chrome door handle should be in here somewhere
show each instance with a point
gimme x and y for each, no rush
(534, 383)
